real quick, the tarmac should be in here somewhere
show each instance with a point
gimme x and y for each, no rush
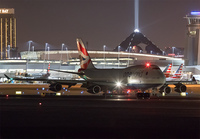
(86, 116)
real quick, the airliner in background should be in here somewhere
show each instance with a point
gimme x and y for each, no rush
(139, 77)
(176, 79)
(167, 71)
(35, 75)
(177, 76)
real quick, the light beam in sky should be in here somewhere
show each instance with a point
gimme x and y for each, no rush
(136, 16)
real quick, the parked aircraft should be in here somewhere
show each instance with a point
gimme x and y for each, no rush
(167, 71)
(175, 79)
(35, 75)
(177, 75)
(140, 77)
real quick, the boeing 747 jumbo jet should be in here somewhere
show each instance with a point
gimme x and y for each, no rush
(139, 77)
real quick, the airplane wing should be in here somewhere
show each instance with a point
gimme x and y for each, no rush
(60, 81)
(193, 81)
(64, 82)
(78, 73)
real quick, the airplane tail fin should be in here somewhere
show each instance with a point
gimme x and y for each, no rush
(48, 74)
(179, 71)
(85, 60)
(48, 68)
(167, 70)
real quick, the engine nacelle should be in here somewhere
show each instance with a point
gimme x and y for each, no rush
(55, 87)
(166, 89)
(94, 89)
(180, 88)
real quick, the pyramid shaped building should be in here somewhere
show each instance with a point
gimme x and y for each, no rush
(138, 43)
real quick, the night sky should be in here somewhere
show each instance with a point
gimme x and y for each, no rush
(99, 22)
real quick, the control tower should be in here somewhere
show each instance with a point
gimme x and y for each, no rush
(192, 48)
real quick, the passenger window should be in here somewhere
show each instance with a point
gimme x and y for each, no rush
(146, 73)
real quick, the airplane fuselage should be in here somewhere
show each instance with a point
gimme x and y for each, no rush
(135, 77)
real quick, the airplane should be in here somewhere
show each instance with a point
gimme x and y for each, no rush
(139, 77)
(36, 75)
(177, 75)
(175, 79)
(167, 70)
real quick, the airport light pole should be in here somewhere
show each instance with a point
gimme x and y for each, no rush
(173, 51)
(61, 52)
(173, 54)
(104, 49)
(151, 51)
(67, 54)
(48, 51)
(46, 45)
(33, 48)
(118, 54)
(8, 51)
(129, 54)
(29, 47)
(28, 55)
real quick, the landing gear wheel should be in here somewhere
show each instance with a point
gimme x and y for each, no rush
(143, 95)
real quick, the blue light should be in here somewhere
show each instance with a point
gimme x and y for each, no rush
(43, 88)
(81, 92)
(195, 13)
(66, 90)
(38, 93)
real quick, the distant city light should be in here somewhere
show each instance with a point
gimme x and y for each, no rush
(195, 13)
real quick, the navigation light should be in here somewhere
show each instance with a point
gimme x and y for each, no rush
(148, 65)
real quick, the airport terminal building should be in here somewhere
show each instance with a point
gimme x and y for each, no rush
(34, 62)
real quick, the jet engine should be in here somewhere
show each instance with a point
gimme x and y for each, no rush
(55, 87)
(166, 89)
(180, 88)
(94, 89)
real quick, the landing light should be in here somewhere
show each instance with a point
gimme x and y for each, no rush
(118, 84)
(183, 94)
(58, 94)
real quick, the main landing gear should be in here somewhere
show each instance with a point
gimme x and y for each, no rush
(143, 95)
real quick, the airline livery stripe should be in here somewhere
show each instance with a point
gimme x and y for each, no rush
(82, 49)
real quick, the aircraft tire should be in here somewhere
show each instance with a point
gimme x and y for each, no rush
(143, 95)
